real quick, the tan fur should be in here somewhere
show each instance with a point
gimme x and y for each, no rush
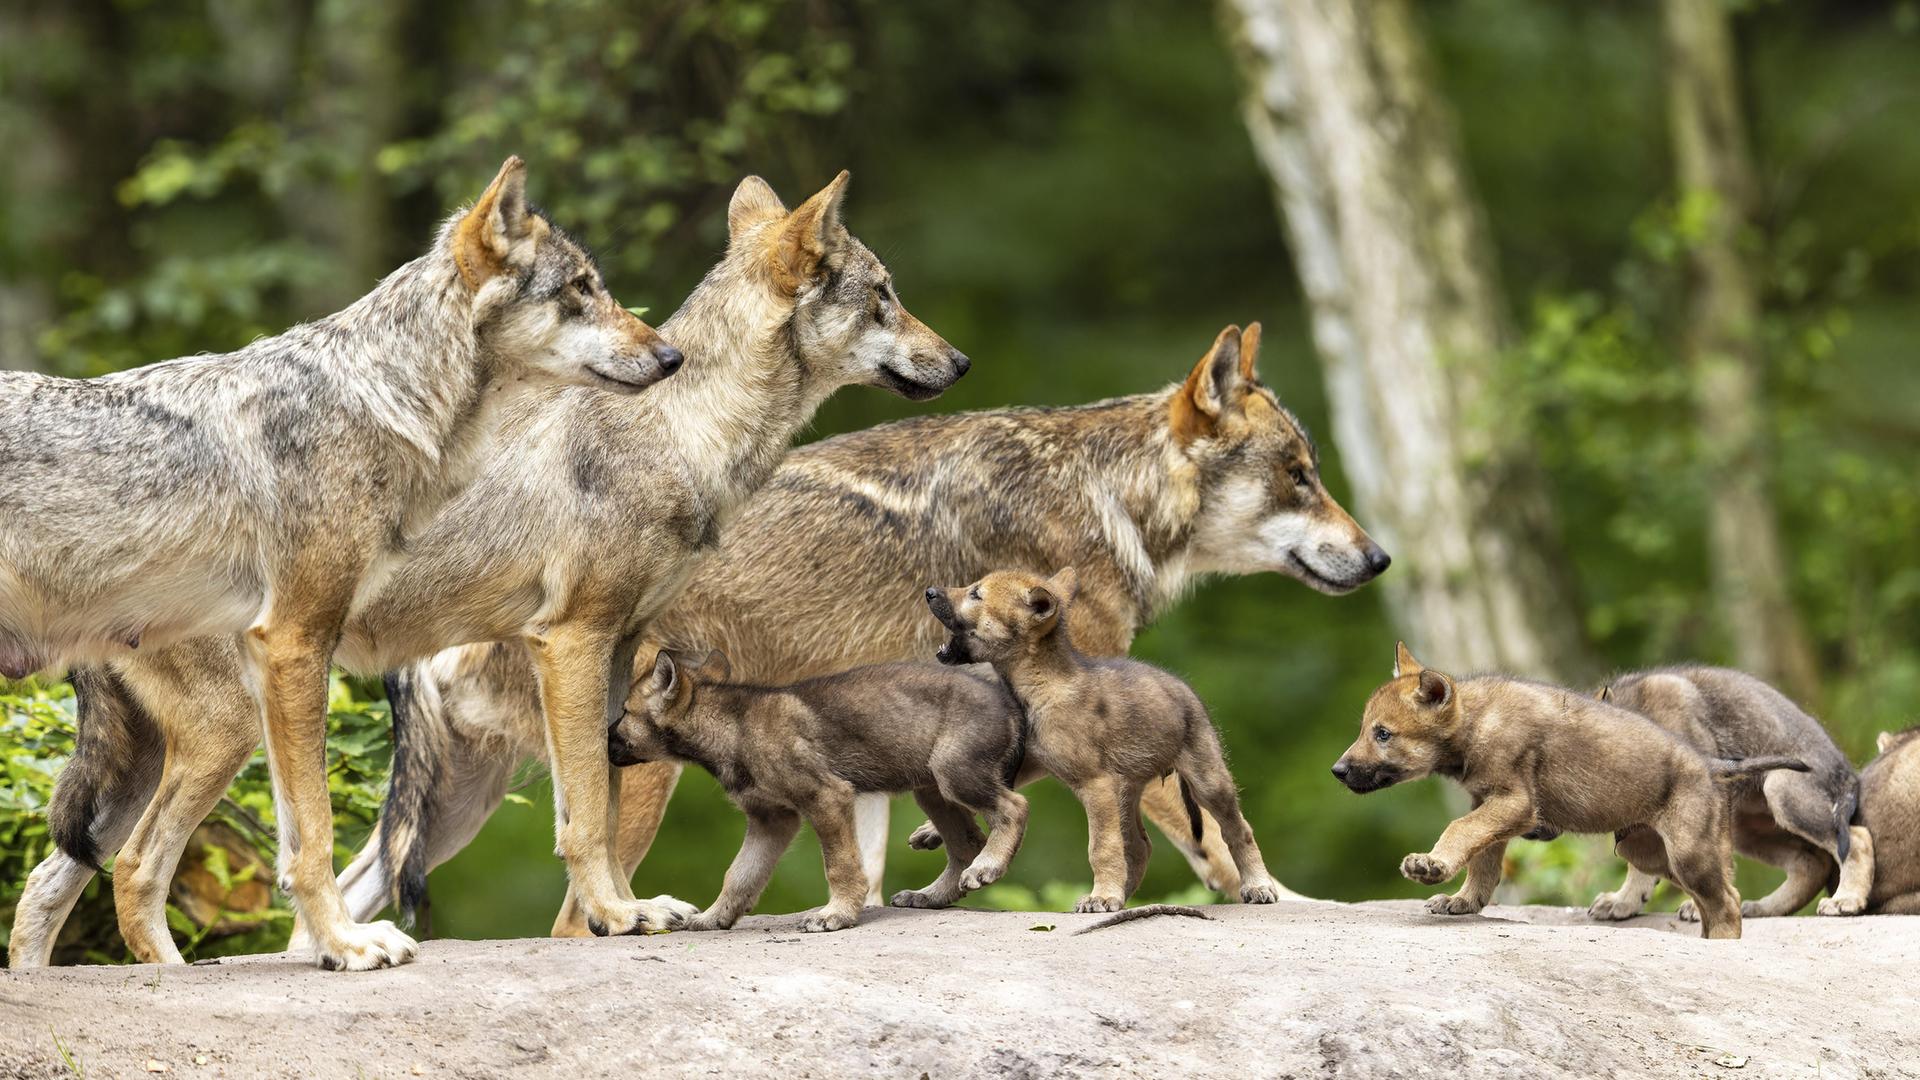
(1533, 755)
(1890, 819)
(1103, 727)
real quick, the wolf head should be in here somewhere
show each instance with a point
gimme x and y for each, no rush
(848, 325)
(1406, 731)
(539, 304)
(1002, 616)
(654, 725)
(1263, 503)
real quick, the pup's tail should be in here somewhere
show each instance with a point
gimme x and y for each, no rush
(1010, 770)
(1193, 808)
(419, 743)
(1844, 809)
(1727, 769)
(117, 750)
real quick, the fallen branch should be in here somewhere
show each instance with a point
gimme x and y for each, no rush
(1146, 912)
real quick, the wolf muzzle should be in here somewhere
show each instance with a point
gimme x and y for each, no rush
(1361, 779)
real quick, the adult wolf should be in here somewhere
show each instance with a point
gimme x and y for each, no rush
(586, 527)
(1144, 494)
(259, 493)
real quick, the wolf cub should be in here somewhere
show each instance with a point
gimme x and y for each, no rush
(1106, 727)
(1890, 811)
(1541, 758)
(783, 753)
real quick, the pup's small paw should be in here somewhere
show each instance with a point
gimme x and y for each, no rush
(1612, 907)
(1091, 903)
(1425, 869)
(823, 920)
(1689, 912)
(1259, 892)
(1449, 904)
(981, 874)
(924, 838)
(914, 898)
(706, 920)
(1841, 905)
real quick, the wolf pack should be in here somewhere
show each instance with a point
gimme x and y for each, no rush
(565, 536)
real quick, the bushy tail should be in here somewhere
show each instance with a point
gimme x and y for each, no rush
(117, 751)
(1193, 809)
(1741, 768)
(419, 743)
(1844, 809)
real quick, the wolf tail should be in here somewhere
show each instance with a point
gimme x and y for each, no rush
(1193, 808)
(1727, 769)
(419, 738)
(117, 750)
(1844, 809)
(1010, 770)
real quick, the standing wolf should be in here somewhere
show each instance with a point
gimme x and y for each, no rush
(586, 526)
(260, 493)
(1144, 494)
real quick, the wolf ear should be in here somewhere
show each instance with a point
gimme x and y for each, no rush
(1064, 584)
(1885, 740)
(1606, 694)
(1209, 388)
(665, 672)
(1249, 353)
(810, 233)
(500, 230)
(714, 667)
(1403, 661)
(753, 202)
(1435, 689)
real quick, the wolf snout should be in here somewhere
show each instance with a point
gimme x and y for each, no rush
(1377, 558)
(1341, 769)
(670, 359)
(961, 364)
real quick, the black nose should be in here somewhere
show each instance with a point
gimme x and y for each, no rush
(1340, 770)
(932, 591)
(670, 358)
(960, 363)
(1377, 559)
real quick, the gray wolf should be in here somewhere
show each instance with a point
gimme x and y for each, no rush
(953, 738)
(1104, 727)
(1145, 495)
(1890, 813)
(586, 525)
(1800, 822)
(1534, 756)
(267, 492)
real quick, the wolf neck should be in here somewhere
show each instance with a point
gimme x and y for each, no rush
(710, 735)
(1050, 661)
(735, 407)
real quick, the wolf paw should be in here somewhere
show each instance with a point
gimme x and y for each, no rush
(981, 874)
(706, 920)
(916, 898)
(1689, 912)
(1091, 903)
(924, 838)
(1425, 869)
(1612, 907)
(641, 916)
(1449, 904)
(1841, 905)
(1259, 892)
(823, 921)
(364, 947)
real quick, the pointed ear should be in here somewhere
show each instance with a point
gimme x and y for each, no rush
(665, 672)
(714, 668)
(1435, 689)
(753, 202)
(810, 233)
(1064, 584)
(1885, 740)
(1403, 661)
(1043, 603)
(1249, 352)
(500, 231)
(1209, 388)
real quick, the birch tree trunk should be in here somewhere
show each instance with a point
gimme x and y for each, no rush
(1408, 320)
(1724, 352)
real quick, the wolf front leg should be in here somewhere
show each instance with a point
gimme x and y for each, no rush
(644, 793)
(1497, 819)
(832, 817)
(768, 837)
(574, 662)
(289, 658)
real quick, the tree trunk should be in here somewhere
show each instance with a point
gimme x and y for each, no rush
(1408, 319)
(1724, 352)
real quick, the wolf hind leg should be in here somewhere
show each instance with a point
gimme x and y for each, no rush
(964, 843)
(1204, 771)
(52, 889)
(1856, 877)
(872, 819)
(1628, 900)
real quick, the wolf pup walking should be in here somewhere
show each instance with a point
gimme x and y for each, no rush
(953, 738)
(1801, 822)
(1104, 727)
(260, 492)
(1541, 757)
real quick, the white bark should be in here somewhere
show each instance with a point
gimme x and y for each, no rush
(1393, 257)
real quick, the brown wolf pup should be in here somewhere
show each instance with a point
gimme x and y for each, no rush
(1800, 822)
(259, 497)
(1541, 757)
(1145, 495)
(1890, 812)
(1104, 727)
(582, 529)
(953, 738)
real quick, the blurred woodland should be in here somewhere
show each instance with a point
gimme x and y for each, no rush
(1603, 313)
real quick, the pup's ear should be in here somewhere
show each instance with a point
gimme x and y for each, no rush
(714, 668)
(1885, 740)
(1403, 661)
(1209, 389)
(1435, 689)
(1042, 603)
(500, 231)
(1064, 584)
(1249, 353)
(753, 202)
(810, 233)
(665, 673)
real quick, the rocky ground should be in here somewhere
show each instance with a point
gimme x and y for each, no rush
(1297, 989)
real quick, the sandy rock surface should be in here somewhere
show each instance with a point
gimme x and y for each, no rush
(1296, 989)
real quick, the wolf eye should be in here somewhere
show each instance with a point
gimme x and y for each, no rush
(1299, 476)
(584, 284)
(1381, 734)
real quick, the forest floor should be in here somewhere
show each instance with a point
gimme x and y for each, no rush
(1297, 989)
